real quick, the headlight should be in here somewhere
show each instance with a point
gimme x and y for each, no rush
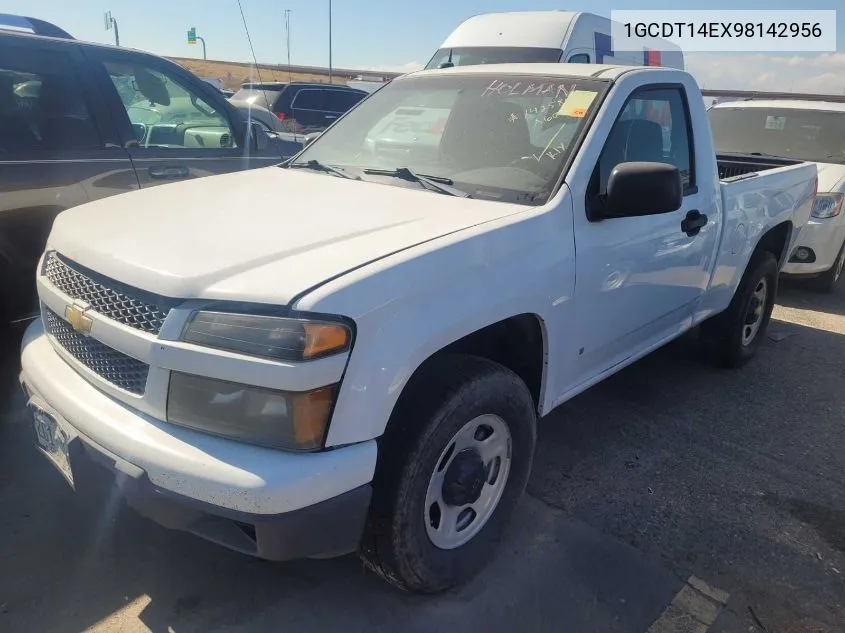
(267, 336)
(827, 205)
(278, 419)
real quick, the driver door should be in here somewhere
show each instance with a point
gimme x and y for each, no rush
(639, 277)
(173, 125)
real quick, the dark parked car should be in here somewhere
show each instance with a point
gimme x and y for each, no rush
(302, 106)
(81, 121)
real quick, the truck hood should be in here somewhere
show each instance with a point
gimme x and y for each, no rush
(264, 235)
(831, 177)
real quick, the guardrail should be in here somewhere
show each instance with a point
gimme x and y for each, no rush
(345, 73)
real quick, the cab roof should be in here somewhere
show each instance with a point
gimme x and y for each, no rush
(586, 71)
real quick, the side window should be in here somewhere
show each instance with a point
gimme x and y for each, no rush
(308, 99)
(165, 113)
(42, 105)
(654, 126)
(341, 100)
(579, 58)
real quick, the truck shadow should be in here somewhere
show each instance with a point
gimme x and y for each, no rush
(801, 295)
(734, 476)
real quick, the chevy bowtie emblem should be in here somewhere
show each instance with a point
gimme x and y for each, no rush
(77, 319)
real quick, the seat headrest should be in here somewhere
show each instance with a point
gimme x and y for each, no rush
(484, 132)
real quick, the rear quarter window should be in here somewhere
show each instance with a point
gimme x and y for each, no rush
(309, 99)
(341, 100)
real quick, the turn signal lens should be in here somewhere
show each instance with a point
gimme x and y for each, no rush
(311, 411)
(323, 338)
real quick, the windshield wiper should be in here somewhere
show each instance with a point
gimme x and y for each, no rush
(318, 166)
(434, 183)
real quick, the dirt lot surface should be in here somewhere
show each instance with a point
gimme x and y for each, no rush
(666, 471)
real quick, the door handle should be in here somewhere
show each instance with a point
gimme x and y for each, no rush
(165, 172)
(331, 116)
(693, 223)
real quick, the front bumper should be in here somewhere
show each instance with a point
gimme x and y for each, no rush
(824, 238)
(260, 501)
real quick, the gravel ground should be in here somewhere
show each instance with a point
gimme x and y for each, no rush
(668, 469)
(734, 476)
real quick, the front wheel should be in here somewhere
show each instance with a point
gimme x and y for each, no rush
(731, 338)
(453, 464)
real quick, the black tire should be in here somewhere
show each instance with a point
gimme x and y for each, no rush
(826, 282)
(722, 335)
(443, 396)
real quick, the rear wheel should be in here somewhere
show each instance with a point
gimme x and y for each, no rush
(731, 338)
(826, 282)
(453, 464)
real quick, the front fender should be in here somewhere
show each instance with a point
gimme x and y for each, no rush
(428, 297)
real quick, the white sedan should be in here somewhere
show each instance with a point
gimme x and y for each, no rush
(801, 130)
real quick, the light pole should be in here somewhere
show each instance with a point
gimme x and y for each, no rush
(111, 22)
(330, 41)
(287, 36)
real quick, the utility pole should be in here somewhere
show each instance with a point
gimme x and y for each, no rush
(287, 37)
(111, 22)
(330, 41)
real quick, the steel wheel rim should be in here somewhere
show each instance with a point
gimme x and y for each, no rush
(450, 524)
(756, 312)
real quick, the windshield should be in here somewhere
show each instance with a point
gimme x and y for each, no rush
(813, 135)
(494, 137)
(476, 55)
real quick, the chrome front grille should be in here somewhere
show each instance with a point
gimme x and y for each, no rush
(117, 368)
(111, 299)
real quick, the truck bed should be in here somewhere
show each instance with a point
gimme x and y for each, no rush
(741, 165)
(769, 193)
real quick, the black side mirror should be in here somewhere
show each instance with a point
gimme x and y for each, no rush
(640, 188)
(258, 139)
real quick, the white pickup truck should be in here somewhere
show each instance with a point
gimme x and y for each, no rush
(784, 132)
(351, 351)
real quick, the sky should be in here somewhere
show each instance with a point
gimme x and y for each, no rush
(401, 35)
